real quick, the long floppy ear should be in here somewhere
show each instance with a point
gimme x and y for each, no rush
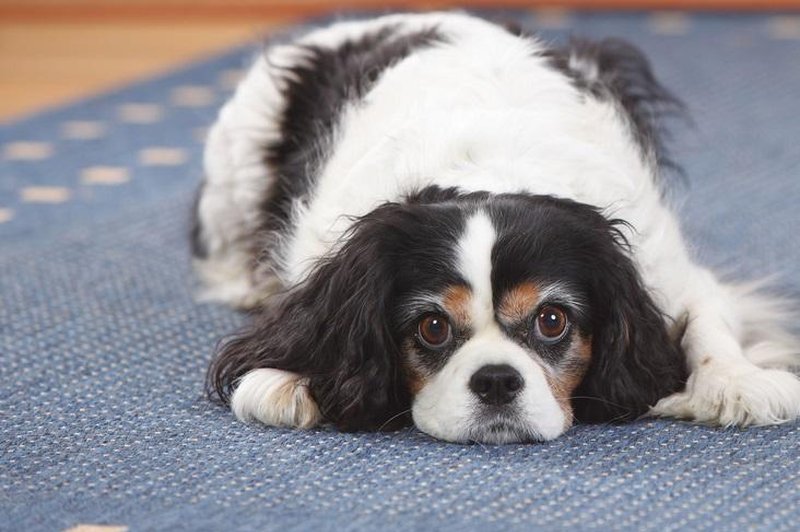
(635, 361)
(330, 340)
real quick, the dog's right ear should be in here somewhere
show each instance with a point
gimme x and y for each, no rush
(325, 350)
(635, 362)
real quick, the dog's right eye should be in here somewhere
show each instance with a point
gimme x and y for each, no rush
(434, 331)
(551, 324)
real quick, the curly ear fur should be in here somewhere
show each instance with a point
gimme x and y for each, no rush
(332, 334)
(635, 362)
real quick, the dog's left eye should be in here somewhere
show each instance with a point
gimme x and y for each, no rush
(551, 324)
(434, 331)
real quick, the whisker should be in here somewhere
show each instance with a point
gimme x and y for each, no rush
(479, 443)
(599, 400)
(393, 418)
(605, 401)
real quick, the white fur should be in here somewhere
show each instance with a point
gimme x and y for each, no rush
(274, 397)
(486, 113)
(475, 265)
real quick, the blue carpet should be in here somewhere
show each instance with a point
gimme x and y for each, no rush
(103, 351)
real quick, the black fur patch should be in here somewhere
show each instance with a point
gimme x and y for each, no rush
(317, 91)
(625, 74)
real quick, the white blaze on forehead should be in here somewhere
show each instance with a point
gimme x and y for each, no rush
(475, 265)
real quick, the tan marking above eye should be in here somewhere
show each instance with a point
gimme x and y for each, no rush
(456, 303)
(519, 302)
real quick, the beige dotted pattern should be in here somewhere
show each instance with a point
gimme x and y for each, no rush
(162, 156)
(140, 113)
(192, 96)
(105, 175)
(45, 194)
(669, 23)
(784, 27)
(27, 151)
(83, 130)
(6, 215)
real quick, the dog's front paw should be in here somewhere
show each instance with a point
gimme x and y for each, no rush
(276, 398)
(735, 394)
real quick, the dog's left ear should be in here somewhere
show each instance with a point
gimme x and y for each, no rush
(635, 362)
(333, 332)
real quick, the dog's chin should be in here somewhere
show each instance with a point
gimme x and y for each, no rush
(503, 431)
(487, 429)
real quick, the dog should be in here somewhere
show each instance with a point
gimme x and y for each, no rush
(438, 219)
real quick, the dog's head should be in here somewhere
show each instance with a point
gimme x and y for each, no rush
(491, 318)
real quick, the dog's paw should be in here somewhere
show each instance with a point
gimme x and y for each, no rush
(276, 398)
(735, 394)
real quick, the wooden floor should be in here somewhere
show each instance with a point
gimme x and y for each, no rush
(45, 64)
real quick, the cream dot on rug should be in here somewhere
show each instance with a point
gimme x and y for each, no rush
(27, 151)
(140, 113)
(83, 130)
(552, 18)
(6, 215)
(45, 194)
(192, 96)
(162, 156)
(669, 23)
(784, 27)
(97, 528)
(105, 175)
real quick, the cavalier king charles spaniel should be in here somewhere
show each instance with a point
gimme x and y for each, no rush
(439, 219)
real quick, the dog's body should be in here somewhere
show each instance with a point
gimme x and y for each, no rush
(439, 171)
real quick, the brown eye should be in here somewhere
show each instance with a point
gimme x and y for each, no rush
(434, 330)
(551, 323)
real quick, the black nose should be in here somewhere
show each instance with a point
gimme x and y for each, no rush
(496, 384)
